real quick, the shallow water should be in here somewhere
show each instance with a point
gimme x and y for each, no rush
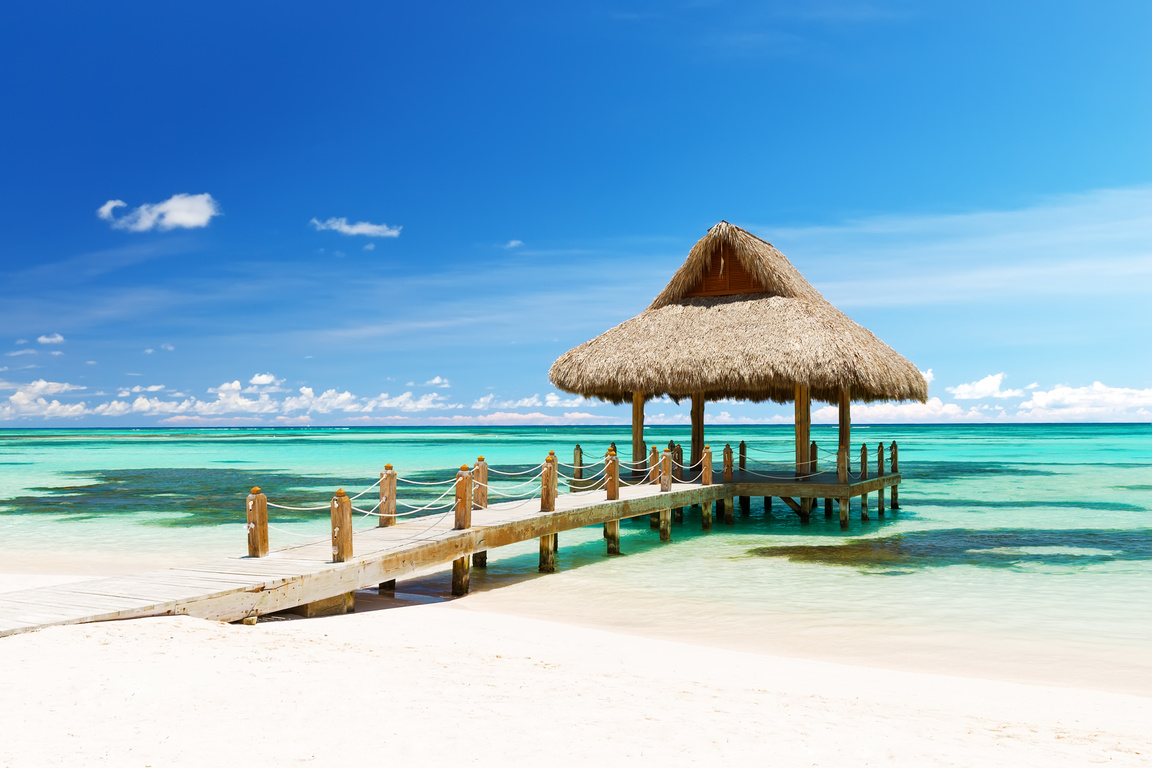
(1033, 540)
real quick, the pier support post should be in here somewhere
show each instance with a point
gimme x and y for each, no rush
(463, 521)
(803, 398)
(813, 453)
(637, 432)
(706, 479)
(729, 503)
(745, 501)
(864, 476)
(768, 506)
(727, 462)
(844, 512)
(745, 505)
(341, 507)
(612, 536)
(880, 473)
(257, 508)
(665, 516)
(480, 501)
(697, 446)
(612, 485)
(548, 545)
(654, 465)
(577, 463)
(895, 470)
(828, 509)
(387, 508)
(387, 512)
(548, 483)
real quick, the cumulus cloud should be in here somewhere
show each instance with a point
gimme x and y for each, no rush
(177, 212)
(513, 243)
(437, 381)
(328, 401)
(490, 401)
(409, 404)
(932, 412)
(264, 383)
(1097, 402)
(989, 386)
(30, 401)
(553, 400)
(928, 376)
(53, 338)
(370, 246)
(365, 228)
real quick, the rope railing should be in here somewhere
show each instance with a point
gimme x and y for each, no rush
(297, 509)
(516, 474)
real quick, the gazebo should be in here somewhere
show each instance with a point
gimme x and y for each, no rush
(738, 321)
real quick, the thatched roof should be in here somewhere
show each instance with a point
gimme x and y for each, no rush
(746, 346)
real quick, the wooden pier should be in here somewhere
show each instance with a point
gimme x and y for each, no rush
(320, 577)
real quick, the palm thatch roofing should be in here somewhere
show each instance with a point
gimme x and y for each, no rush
(768, 331)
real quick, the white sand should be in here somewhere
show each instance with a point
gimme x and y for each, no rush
(429, 684)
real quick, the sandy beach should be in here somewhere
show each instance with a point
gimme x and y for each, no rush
(463, 681)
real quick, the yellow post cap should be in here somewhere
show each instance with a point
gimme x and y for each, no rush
(464, 467)
(388, 467)
(340, 492)
(255, 489)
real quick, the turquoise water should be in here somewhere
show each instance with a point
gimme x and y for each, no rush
(1015, 537)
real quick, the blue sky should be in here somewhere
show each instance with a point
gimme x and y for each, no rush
(369, 213)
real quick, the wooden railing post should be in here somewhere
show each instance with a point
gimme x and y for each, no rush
(743, 455)
(341, 527)
(387, 507)
(706, 471)
(548, 483)
(257, 523)
(480, 501)
(880, 473)
(654, 466)
(727, 463)
(666, 471)
(863, 477)
(895, 470)
(578, 463)
(461, 575)
(613, 474)
(678, 462)
(813, 454)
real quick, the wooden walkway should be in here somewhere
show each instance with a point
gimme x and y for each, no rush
(303, 575)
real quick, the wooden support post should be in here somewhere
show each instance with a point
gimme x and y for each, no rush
(257, 523)
(341, 527)
(548, 482)
(678, 462)
(480, 501)
(743, 455)
(768, 505)
(880, 473)
(666, 471)
(463, 521)
(387, 512)
(654, 465)
(387, 508)
(803, 404)
(697, 445)
(549, 543)
(745, 506)
(895, 470)
(612, 485)
(665, 524)
(828, 509)
(729, 510)
(842, 465)
(612, 536)
(578, 463)
(727, 463)
(638, 453)
(845, 433)
(813, 452)
(706, 471)
(844, 512)
(864, 476)
(706, 515)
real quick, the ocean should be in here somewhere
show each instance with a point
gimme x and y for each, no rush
(1019, 551)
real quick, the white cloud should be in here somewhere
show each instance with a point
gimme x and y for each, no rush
(370, 246)
(409, 404)
(484, 403)
(20, 352)
(931, 412)
(989, 386)
(437, 381)
(149, 351)
(230, 400)
(928, 375)
(177, 212)
(167, 347)
(264, 382)
(514, 244)
(29, 401)
(553, 400)
(1097, 402)
(327, 402)
(56, 353)
(42, 387)
(365, 228)
(54, 338)
(89, 362)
